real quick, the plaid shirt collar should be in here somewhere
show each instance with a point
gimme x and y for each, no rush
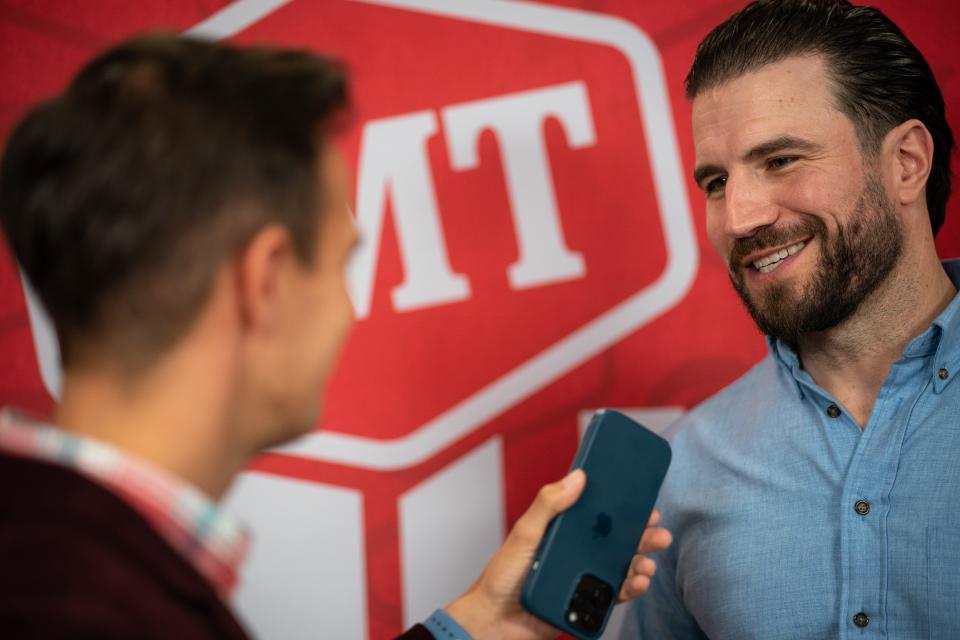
(211, 541)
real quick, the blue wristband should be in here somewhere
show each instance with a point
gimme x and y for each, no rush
(443, 627)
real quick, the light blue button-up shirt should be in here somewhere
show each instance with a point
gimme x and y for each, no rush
(791, 523)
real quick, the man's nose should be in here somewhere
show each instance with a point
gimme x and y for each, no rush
(749, 207)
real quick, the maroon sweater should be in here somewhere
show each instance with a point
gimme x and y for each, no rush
(77, 562)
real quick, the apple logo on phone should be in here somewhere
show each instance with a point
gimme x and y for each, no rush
(602, 526)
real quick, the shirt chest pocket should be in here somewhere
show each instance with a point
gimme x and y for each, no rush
(943, 582)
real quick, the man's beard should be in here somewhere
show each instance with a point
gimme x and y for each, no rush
(852, 265)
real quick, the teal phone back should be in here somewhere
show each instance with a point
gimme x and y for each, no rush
(625, 465)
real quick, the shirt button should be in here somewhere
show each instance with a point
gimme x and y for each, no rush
(943, 374)
(833, 411)
(861, 619)
(862, 507)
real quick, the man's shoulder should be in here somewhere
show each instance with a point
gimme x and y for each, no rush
(60, 552)
(75, 554)
(55, 517)
(735, 411)
(41, 493)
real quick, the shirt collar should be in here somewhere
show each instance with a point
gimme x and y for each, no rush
(941, 340)
(211, 541)
(946, 362)
(787, 357)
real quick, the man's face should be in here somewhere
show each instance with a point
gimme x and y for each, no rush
(802, 221)
(318, 313)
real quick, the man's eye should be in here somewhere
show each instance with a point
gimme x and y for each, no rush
(715, 185)
(781, 161)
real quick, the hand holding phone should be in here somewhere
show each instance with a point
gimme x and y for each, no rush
(491, 606)
(586, 552)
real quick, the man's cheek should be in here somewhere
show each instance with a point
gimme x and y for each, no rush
(719, 242)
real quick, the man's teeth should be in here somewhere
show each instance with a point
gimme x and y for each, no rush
(772, 261)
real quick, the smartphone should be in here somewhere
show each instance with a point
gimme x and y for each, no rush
(585, 554)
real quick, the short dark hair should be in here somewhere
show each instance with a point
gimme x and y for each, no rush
(122, 196)
(880, 78)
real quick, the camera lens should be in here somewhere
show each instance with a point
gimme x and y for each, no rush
(589, 604)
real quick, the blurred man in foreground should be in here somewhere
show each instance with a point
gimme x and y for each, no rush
(819, 495)
(181, 211)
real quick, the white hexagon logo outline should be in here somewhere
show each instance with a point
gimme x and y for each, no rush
(576, 347)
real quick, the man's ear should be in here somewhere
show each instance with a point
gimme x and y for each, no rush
(261, 266)
(911, 148)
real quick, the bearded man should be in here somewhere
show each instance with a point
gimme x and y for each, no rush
(819, 495)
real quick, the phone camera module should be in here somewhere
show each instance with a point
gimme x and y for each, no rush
(589, 605)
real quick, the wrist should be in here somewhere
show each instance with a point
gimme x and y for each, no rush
(476, 616)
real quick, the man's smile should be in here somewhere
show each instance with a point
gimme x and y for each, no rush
(767, 259)
(773, 259)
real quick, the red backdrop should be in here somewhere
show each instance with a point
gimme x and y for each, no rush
(538, 251)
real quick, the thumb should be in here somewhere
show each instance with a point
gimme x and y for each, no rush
(501, 581)
(551, 500)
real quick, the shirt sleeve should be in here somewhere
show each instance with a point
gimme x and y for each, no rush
(660, 612)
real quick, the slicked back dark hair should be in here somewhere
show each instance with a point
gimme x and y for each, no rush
(880, 79)
(121, 197)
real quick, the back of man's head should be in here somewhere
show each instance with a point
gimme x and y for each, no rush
(121, 197)
(880, 79)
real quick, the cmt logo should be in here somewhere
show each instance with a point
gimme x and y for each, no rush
(523, 210)
(394, 162)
